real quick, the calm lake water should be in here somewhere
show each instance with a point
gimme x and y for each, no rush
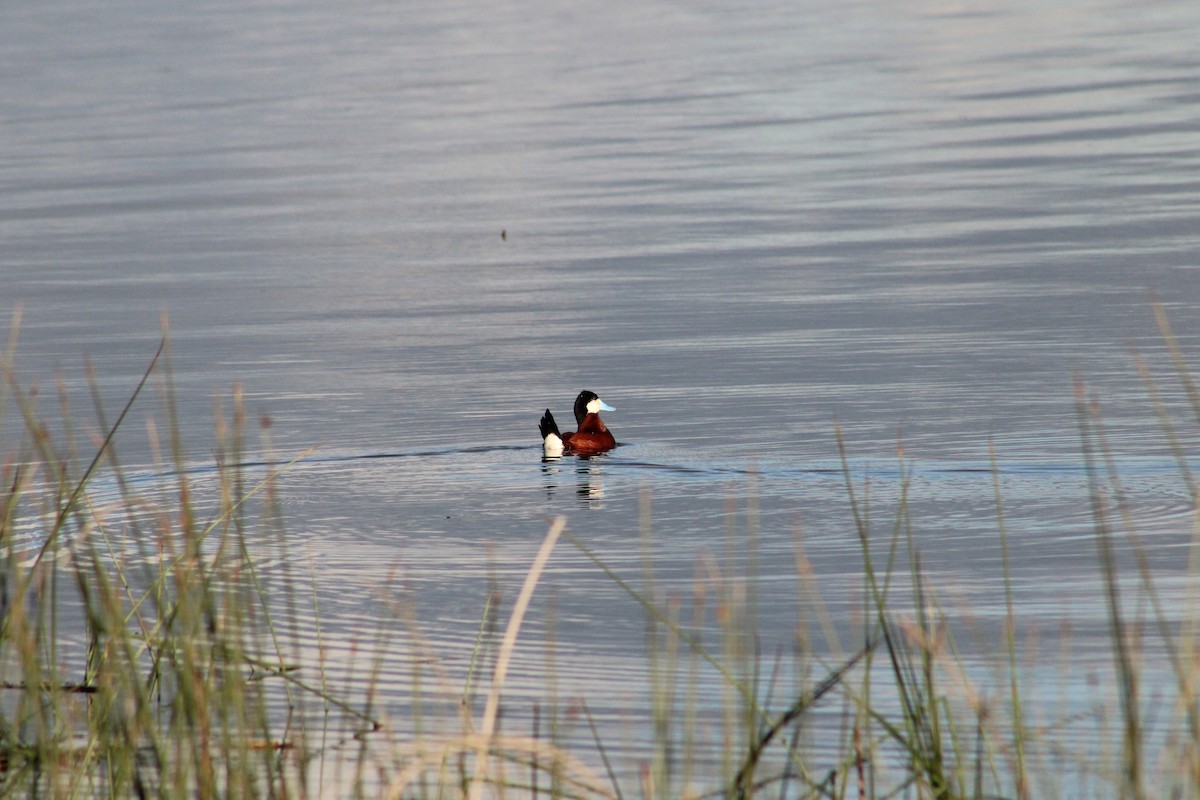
(407, 229)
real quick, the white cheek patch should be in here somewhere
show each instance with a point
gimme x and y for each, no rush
(597, 405)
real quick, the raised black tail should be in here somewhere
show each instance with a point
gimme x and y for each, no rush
(548, 426)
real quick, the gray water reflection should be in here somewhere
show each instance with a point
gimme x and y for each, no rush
(920, 221)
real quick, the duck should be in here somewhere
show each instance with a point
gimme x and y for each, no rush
(591, 436)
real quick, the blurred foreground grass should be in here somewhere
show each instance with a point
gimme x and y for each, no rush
(139, 655)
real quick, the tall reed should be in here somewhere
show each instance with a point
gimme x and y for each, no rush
(169, 690)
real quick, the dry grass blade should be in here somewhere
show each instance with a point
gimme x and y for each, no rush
(487, 725)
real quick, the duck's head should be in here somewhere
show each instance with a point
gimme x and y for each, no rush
(589, 403)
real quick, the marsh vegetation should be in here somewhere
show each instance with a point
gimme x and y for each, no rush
(143, 654)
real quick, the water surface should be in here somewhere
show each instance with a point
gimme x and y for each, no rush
(408, 229)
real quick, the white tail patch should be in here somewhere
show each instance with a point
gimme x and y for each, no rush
(553, 445)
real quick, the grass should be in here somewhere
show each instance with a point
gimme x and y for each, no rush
(145, 652)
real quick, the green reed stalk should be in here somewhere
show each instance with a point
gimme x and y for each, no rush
(661, 668)
(1183, 654)
(1127, 678)
(1010, 634)
(608, 767)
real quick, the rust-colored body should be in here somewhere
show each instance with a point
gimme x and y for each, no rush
(590, 437)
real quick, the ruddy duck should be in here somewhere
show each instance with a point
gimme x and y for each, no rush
(590, 438)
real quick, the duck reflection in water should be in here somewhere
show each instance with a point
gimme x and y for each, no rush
(589, 480)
